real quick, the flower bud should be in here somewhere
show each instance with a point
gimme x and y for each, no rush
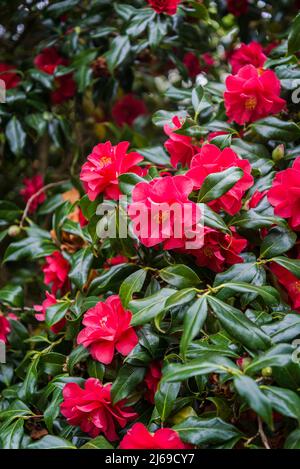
(266, 372)
(278, 153)
(14, 231)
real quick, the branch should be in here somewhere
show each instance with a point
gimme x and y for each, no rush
(36, 194)
(262, 434)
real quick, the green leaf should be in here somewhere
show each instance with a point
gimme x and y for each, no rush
(81, 263)
(125, 11)
(179, 276)
(294, 36)
(51, 442)
(156, 31)
(37, 244)
(162, 117)
(208, 363)
(178, 94)
(269, 294)
(197, 95)
(146, 309)
(128, 181)
(140, 21)
(249, 391)
(58, 8)
(293, 265)
(29, 385)
(276, 129)
(56, 312)
(165, 398)
(285, 330)
(212, 219)
(118, 52)
(53, 409)
(239, 326)
(37, 122)
(217, 184)
(284, 401)
(194, 319)
(181, 297)
(278, 241)
(97, 443)
(15, 135)
(132, 284)
(279, 355)
(155, 155)
(293, 440)
(12, 435)
(12, 294)
(78, 354)
(126, 381)
(199, 431)
(95, 369)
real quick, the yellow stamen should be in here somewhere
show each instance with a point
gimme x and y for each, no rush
(251, 103)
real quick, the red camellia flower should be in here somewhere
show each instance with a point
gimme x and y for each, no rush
(248, 54)
(252, 94)
(211, 159)
(237, 7)
(192, 64)
(56, 270)
(91, 408)
(107, 328)
(4, 328)
(138, 437)
(220, 250)
(127, 109)
(41, 310)
(180, 147)
(48, 61)
(9, 76)
(290, 282)
(162, 213)
(116, 260)
(284, 194)
(152, 379)
(32, 186)
(164, 6)
(106, 162)
(208, 61)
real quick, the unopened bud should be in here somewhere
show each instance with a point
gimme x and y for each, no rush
(266, 372)
(278, 153)
(14, 231)
(243, 362)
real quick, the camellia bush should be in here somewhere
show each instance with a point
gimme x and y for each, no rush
(149, 224)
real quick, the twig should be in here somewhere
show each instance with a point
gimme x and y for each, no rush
(36, 194)
(262, 434)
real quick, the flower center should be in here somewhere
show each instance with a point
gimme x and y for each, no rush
(103, 321)
(251, 103)
(297, 286)
(160, 217)
(105, 161)
(208, 252)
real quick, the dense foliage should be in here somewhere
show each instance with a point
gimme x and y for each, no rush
(143, 341)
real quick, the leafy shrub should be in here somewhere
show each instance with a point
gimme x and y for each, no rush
(144, 340)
